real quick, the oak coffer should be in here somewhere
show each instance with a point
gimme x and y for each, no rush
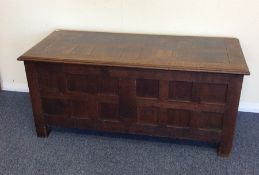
(181, 87)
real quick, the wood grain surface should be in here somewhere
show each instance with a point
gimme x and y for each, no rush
(189, 53)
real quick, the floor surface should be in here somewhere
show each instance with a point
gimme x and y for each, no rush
(69, 152)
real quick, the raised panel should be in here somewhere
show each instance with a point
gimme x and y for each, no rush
(83, 109)
(48, 77)
(109, 85)
(54, 106)
(147, 88)
(178, 118)
(213, 93)
(83, 83)
(180, 90)
(109, 111)
(209, 120)
(48, 81)
(148, 115)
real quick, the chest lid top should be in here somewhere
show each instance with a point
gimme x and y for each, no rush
(189, 53)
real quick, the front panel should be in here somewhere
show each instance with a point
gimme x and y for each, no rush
(153, 102)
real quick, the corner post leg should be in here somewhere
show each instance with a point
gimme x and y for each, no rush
(39, 120)
(224, 149)
(229, 121)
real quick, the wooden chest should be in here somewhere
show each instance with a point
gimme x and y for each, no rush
(167, 86)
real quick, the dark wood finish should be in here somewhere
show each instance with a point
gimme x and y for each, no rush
(229, 122)
(167, 86)
(205, 54)
(39, 120)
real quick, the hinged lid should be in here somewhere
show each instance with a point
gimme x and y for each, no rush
(189, 53)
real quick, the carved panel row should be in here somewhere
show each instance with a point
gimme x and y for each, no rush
(180, 118)
(82, 109)
(178, 90)
(184, 91)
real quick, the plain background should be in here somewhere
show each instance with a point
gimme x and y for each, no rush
(23, 23)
